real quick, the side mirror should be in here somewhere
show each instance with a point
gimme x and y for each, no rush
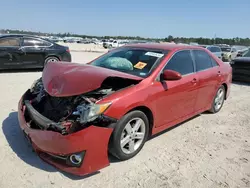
(170, 75)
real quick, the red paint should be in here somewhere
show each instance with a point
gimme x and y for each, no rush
(94, 140)
(67, 79)
(170, 102)
(171, 75)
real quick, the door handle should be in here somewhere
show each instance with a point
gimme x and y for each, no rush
(194, 81)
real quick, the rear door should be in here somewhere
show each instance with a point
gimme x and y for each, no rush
(35, 51)
(207, 71)
(10, 53)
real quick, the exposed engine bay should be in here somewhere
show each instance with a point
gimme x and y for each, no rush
(71, 114)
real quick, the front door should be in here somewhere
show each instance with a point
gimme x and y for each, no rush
(176, 99)
(10, 54)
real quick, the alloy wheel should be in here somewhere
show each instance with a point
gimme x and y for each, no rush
(219, 99)
(132, 135)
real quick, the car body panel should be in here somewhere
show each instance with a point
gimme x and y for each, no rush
(208, 81)
(66, 79)
(241, 69)
(93, 140)
(170, 102)
(176, 99)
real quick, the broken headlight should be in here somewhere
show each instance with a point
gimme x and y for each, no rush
(91, 111)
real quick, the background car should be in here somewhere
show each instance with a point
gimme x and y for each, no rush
(215, 50)
(228, 53)
(24, 51)
(241, 67)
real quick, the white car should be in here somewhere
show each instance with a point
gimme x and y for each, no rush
(114, 43)
(229, 53)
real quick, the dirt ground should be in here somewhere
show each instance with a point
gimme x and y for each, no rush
(207, 151)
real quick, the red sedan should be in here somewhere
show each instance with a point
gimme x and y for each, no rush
(76, 114)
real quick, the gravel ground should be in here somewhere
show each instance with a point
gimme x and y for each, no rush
(207, 151)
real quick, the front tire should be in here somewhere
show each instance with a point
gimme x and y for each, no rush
(129, 135)
(218, 100)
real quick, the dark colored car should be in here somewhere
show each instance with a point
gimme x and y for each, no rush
(241, 67)
(75, 114)
(24, 51)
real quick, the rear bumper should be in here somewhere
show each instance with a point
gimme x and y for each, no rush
(92, 140)
(66, 57)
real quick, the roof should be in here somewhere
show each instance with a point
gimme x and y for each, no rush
(18, 35)
(161, 46)
(24, 35)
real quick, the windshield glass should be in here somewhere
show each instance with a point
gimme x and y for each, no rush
(139, 62)
(226, 49)
(246, 53)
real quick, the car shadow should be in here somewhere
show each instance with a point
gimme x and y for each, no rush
(241, 83)
(23, 150)
(21, 70)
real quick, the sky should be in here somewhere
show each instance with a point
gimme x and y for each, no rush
(154, 18)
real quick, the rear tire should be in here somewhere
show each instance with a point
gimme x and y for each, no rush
(51, 59)
(218, 100)
(129, 135)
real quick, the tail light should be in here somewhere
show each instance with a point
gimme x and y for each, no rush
(67, 50)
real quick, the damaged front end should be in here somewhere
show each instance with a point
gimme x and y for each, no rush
(67, 115)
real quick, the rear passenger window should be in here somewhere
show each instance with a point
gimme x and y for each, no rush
(35, 42)
(202, 60)
(181, 62)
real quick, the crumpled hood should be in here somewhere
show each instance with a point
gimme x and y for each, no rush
(63, 79)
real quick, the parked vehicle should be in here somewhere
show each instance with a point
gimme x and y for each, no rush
(215, 50)
(241, 67)
(241, 52)
(228, 53)
(77, 113)
(25, 51)
(114, 44)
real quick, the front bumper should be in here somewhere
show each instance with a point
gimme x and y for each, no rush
(93, 140)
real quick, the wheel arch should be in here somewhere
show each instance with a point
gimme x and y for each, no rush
(226, 89)
(53, 55)
(147, 111)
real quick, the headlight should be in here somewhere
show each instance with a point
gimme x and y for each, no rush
(90, 112)
(98, 109)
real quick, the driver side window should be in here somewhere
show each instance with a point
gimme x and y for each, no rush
(181, 62)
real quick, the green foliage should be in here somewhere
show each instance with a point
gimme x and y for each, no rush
(170, 38)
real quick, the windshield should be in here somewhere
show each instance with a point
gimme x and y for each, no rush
(226, 49)
(246, 53)
(138, 62)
